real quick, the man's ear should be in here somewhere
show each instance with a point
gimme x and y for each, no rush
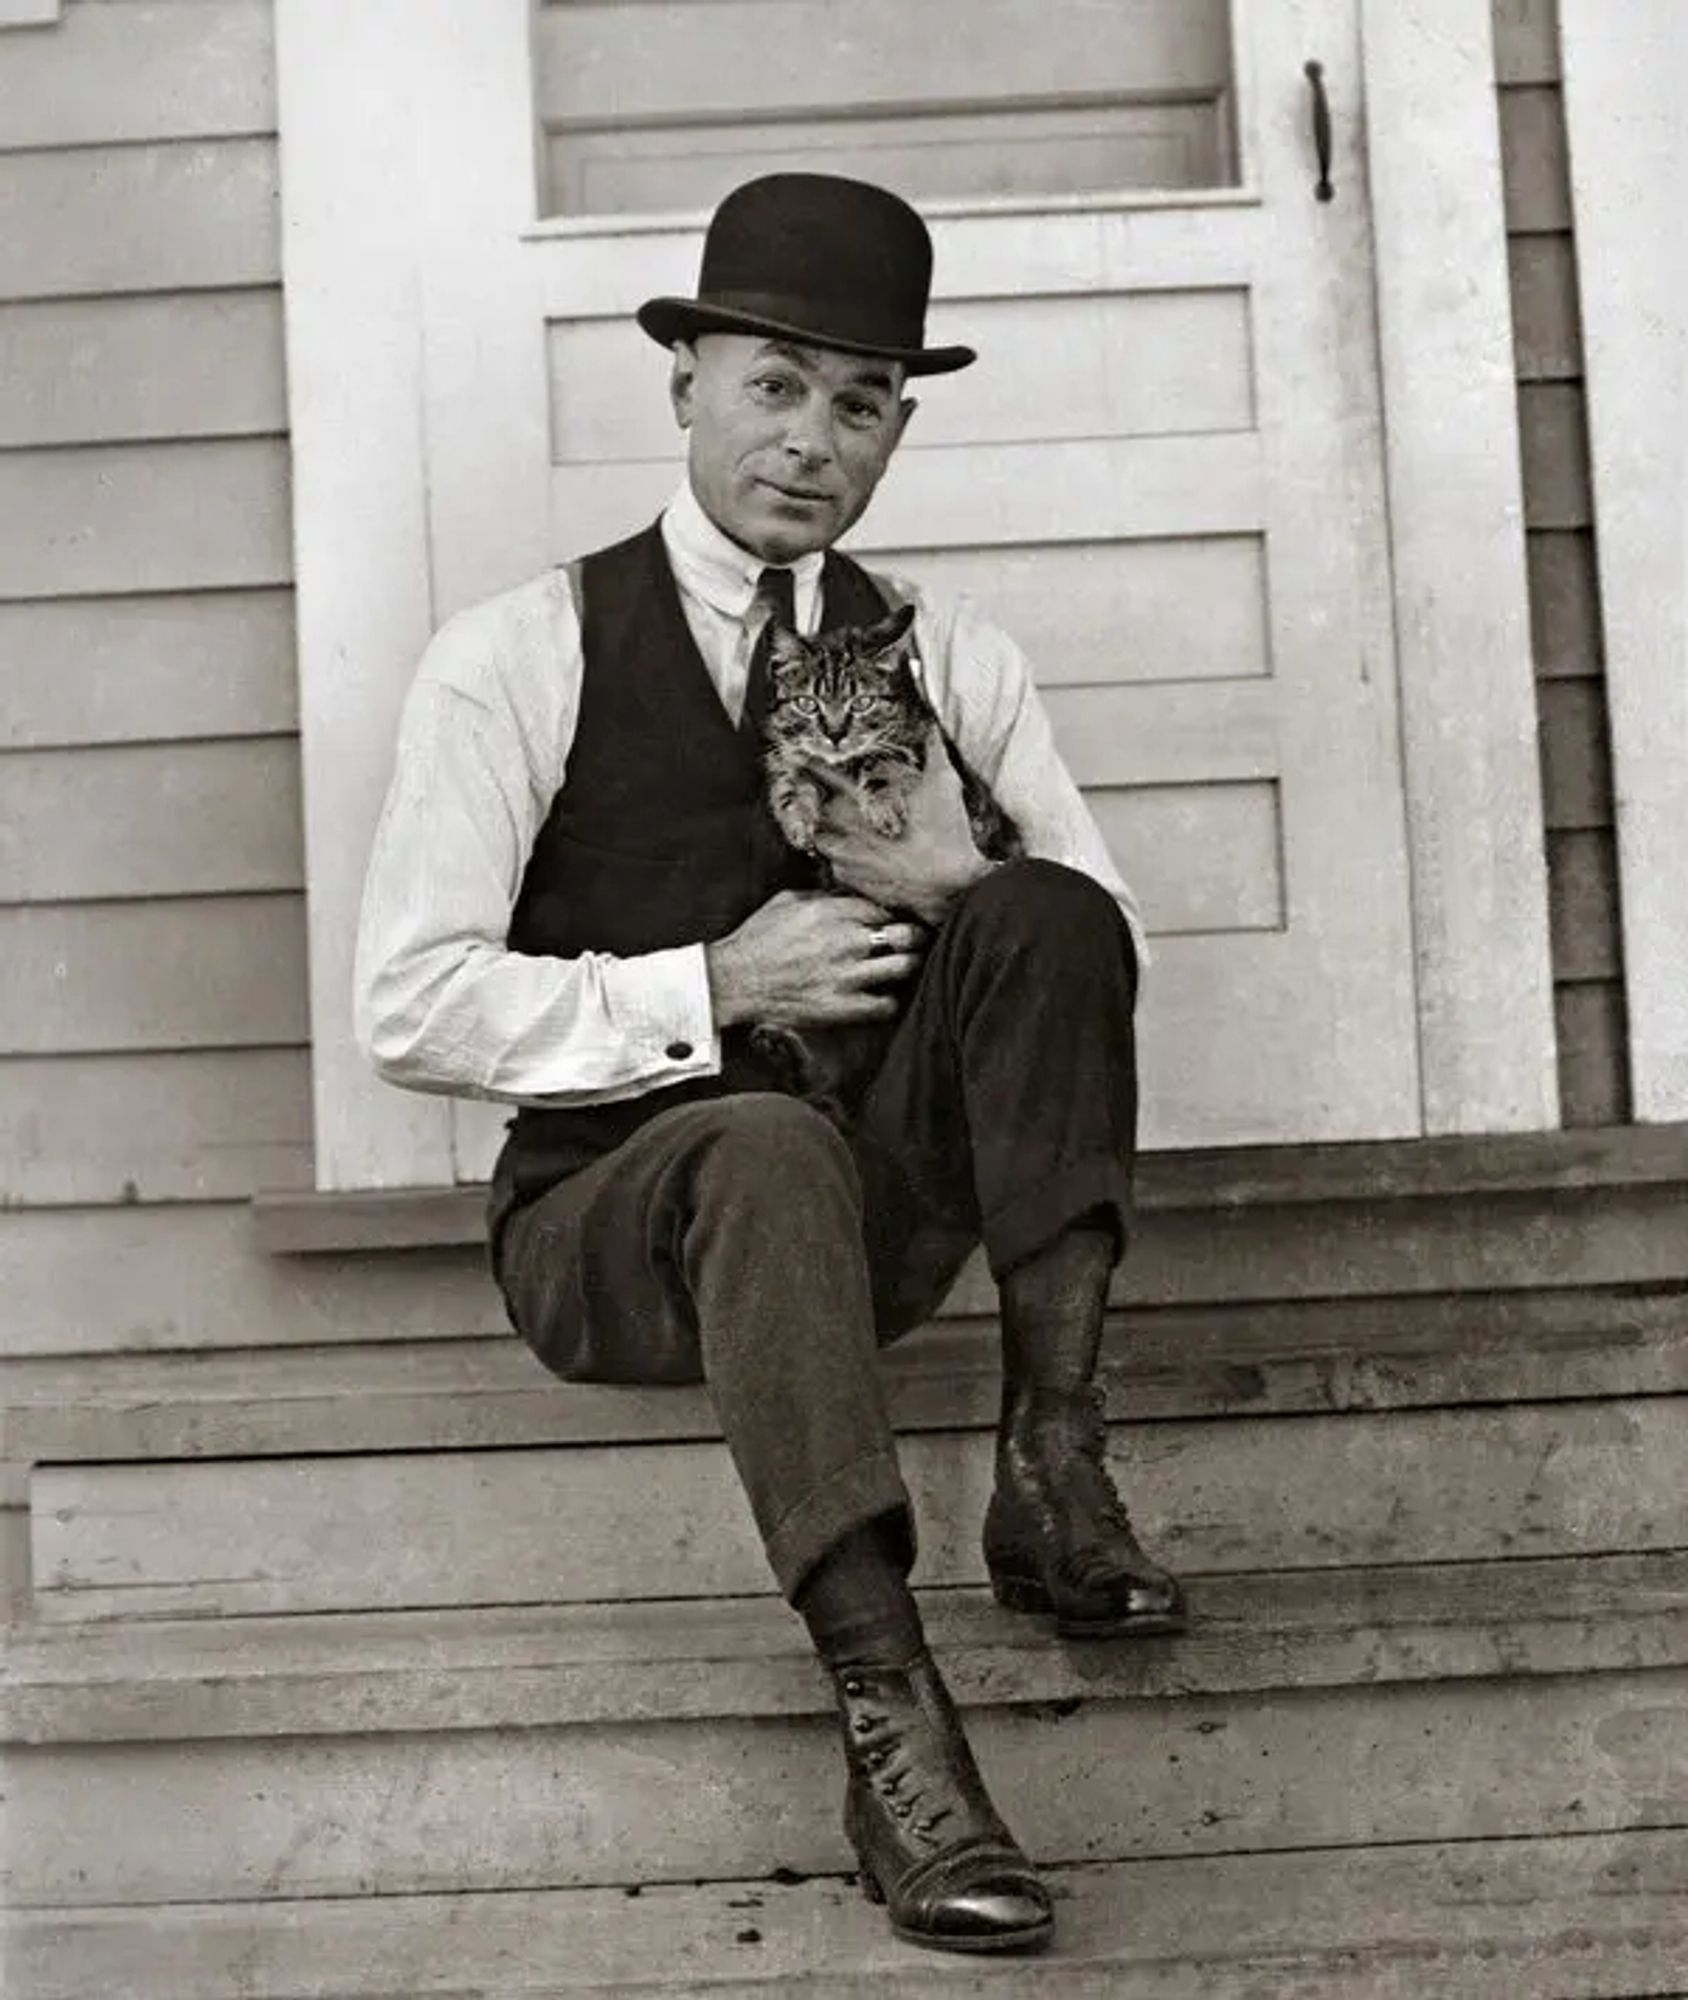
(682, 381)
(905, 410)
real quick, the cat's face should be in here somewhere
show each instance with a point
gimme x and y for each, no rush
(844, 694)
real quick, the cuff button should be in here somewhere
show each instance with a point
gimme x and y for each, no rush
(678, 1051)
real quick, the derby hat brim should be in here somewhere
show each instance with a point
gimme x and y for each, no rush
(669, 320)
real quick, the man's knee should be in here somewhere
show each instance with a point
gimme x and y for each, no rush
(763, 1144)
(1045, 903)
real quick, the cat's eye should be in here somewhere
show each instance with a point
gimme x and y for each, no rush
(805, 704)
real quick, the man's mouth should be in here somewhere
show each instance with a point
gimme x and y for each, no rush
(807, 495)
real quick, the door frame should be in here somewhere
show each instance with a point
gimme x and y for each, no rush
(353, 269)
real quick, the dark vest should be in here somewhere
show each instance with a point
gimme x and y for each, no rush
(659, 834)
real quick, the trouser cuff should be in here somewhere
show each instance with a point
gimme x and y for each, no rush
(1034, 1216)
(857, 1493)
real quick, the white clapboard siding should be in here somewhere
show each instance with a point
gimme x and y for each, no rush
(198, 214)
(670, 1520)
(160, 666)
(132, 517)
(96, 371)
(172, 69)
(168, 819)
(192, 1275)
(202, 1125)
(193, 972)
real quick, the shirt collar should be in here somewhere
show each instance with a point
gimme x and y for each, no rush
(711, 565)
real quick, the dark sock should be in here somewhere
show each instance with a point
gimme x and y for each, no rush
(857, 1604)
(1053, 1305)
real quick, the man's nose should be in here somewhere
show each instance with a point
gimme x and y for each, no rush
(808, 436)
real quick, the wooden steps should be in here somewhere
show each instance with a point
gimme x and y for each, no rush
(416, 1753)
(378, 1666)
(1579, 1918)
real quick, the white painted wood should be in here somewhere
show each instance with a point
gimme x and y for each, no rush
(164, 665)
(1462, 617)
(1444, 1922)
(97, 371)
(193, 1125)
(29, 13)
(1097, 613)
(201, 514)
(349, 162)
(172, 69)
(192, 1276)
(449, 1811)
(670, 1520)
(592, 60)
(1190, 370)
(931, 155)
(1625, 109)
(189, 972)
(124, 820)
(145, 218)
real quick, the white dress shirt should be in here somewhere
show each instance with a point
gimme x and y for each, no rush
(442, 1004)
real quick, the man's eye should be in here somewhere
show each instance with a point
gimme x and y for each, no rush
(772, 387)
(861, 413)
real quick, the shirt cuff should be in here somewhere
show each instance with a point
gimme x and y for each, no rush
(662, 998)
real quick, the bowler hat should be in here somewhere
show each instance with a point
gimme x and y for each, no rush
(814, 258)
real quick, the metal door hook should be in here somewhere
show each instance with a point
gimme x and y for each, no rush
(1315, 74)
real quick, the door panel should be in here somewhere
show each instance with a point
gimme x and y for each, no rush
(643, 109)
(1163, 475)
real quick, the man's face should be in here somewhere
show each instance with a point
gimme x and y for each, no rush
(787, 442)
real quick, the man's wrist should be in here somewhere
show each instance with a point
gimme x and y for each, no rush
(945, 895)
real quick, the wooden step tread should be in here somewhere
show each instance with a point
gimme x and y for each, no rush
(548, 1666)
(1220, 1179)
(556, 1525)
(1170, 1363)
(1589, 1917)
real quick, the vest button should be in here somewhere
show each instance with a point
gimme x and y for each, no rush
(678, 1051)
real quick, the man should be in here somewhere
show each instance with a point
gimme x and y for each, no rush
(576, 888)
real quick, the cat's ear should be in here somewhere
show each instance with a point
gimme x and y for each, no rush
(890, 632)
(785, 647)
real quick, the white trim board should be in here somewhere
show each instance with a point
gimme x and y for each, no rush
(364, 597)
(1626, 86)
(1468, 709)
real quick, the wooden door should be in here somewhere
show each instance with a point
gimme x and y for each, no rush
(1164, 474)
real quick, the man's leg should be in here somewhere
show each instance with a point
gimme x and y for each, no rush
(1008, 1102)
(725, 1240)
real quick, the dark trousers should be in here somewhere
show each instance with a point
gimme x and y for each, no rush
(743, 1242)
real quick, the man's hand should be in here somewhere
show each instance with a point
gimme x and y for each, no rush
(927, 866)
(804, 957)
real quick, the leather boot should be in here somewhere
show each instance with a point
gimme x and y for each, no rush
(929, 1841)
(1057, 1536)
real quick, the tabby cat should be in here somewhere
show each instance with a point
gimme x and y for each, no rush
(845, 711)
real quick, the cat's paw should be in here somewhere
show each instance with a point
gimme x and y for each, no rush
(886, 811)
(797, 814)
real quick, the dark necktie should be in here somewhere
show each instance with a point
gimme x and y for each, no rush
(776, 598)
